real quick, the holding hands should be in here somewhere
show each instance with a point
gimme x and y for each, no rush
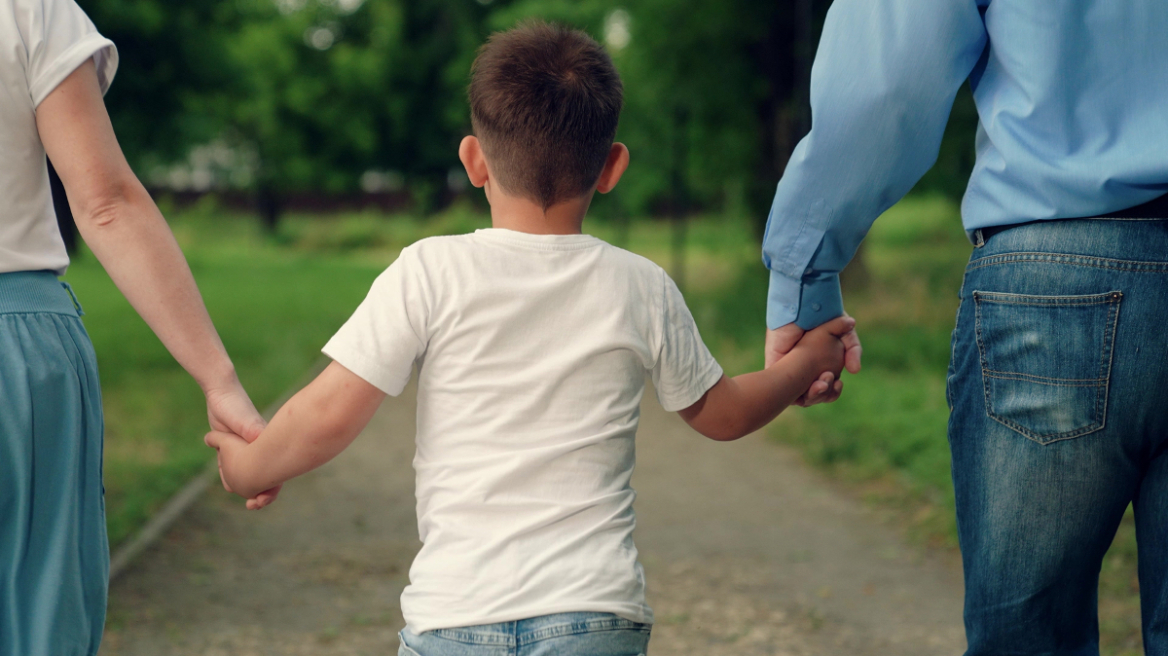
(784, 340)
(231, 413)
(803, 368)
(227, 446)
(309, 430)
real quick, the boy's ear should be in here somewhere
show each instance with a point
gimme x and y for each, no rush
(470, 152)
(614, 168)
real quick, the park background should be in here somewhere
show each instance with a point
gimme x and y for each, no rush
(296, 146)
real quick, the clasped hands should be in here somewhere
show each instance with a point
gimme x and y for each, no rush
(828, 387)
(230, 410)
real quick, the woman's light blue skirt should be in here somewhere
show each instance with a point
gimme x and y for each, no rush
(54, 555)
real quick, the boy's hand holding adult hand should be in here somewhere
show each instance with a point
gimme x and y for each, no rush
(226, 446)
(783, 340)
(230, 410)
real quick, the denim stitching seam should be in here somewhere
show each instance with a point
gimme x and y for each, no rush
(1065, 258)
(953, 347)
(1045, 380)
(1109, 347)
(474, 638)
(1003, 298)
(1039, 302)
(581, 628)
(1069, 259)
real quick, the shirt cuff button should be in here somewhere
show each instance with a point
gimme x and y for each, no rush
(816, 307)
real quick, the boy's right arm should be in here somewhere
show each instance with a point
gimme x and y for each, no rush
(309, 430)
(735, 407)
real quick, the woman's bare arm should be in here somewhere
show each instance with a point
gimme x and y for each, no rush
(122, 226)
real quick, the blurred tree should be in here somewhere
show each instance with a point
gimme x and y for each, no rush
(170, 54)
(314, 93)
(324, 91)
(736, 68)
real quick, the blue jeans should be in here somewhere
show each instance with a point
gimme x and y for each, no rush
(1059, 395)
(563, 634)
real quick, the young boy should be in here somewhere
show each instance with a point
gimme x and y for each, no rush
(532, 342)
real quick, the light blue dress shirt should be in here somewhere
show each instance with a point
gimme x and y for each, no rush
(1072, 97)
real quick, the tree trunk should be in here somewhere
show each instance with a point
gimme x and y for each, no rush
(269, 207)
(784, 59)
(680, 193)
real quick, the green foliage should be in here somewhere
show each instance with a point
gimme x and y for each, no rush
(323, 94)
(313, 93)
(171, 54)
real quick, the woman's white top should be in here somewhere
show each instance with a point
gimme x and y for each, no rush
(41, 43)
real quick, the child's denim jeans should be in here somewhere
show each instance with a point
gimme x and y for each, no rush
(1059, 391)
(563, 634)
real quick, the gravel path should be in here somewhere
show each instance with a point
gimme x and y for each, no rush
(746, 551)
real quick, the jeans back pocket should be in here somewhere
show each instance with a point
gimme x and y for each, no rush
(1046, 361)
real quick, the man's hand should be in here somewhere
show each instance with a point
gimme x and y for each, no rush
(230, 410)
(779, 343)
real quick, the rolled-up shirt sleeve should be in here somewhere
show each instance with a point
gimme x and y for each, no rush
(883, 84)
(59, 38)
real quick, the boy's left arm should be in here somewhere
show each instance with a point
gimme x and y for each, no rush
(736, 407)
(309, 430)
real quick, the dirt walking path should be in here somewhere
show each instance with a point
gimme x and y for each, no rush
(746, 552)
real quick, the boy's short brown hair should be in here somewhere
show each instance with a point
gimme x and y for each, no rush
(544, 102)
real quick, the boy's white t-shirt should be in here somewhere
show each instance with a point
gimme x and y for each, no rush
(532, 352)
(41, 43)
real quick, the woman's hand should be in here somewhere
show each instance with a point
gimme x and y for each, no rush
(230, 410)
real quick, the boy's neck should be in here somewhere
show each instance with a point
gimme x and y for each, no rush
(522, 215)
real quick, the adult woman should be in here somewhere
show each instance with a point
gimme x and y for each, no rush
(54, 68)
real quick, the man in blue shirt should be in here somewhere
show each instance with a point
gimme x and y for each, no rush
(1057, 384)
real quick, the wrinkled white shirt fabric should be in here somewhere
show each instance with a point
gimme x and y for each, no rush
(41, 43)
(532, 353)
